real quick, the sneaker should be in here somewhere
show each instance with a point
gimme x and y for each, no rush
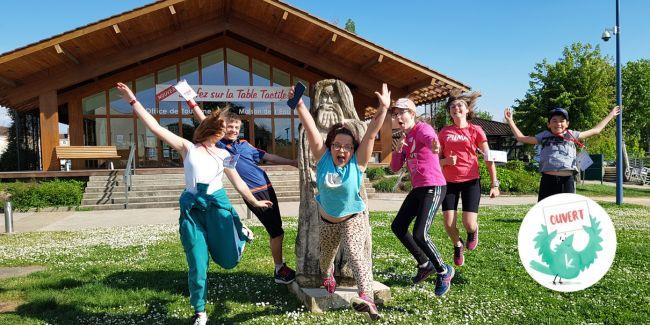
(330, 284)
(364, 304)
(285, 275)
(472, 240)
(459, 254)
(423, 273)
(249, 234)
(199, 319)
(443, 282)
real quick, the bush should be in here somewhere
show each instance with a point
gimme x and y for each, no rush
(385, 184)
(515, 177)
(375, 173)
(56, 193)
(388, 171)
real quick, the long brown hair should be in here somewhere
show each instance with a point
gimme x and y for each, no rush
(339, 128)
(212, 125)
(468, 98)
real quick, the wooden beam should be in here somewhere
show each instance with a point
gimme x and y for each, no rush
(327, 43)
(60, 50)
(121, 38)
(226, 10)
(420, 84)
(176, 22)
(339, 69)
(49, 129)
(87, 30)
(372, 63)
(101, 65)
(7, 82)
(279, 25)
(329, 27)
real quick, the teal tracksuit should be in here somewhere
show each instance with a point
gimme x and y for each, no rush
(208, 223)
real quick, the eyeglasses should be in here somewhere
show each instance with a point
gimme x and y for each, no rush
(337, 146)
(396, 114)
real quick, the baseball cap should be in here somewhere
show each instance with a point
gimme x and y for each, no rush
(558, 111)
(404, 103)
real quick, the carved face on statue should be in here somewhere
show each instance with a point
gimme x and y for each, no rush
(329, 108)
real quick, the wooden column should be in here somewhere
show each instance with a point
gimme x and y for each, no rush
(386, 139)
(49, 120)
(76, 128)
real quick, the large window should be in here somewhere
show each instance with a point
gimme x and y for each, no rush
(273, 127)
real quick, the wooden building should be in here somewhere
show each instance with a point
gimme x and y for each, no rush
(70, 78)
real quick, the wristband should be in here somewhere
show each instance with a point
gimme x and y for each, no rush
(192, 104)
(133, 101)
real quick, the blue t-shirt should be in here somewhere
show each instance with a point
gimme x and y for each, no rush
(558, 152)
(254, 176)
(338, 187)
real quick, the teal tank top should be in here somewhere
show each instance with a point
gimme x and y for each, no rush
(338, 187)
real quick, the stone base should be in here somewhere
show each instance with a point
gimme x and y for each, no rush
(317, 300)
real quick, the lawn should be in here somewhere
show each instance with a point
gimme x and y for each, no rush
(138, 275)
(608, 190)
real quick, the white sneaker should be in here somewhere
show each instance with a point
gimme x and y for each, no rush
(199, 319)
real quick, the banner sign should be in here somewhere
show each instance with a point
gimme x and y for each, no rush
(567, 217)
(210, 93)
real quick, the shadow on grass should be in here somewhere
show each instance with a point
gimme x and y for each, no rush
(508, 220)
(226, 291)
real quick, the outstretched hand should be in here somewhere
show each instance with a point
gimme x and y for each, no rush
(300, 101)
(125, 91)
(384, 97)
(507, 113)
(615, 111)
(263, 204)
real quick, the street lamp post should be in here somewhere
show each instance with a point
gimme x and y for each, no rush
(619, 101)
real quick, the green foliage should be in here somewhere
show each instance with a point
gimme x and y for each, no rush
(388, 171)
(385, 184)
(350, 26)
(636, 104)
(55, 193)
(515, 177)
(484, 115)
(375, 173)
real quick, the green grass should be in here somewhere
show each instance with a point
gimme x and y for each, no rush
(138, 275)
(607, 190)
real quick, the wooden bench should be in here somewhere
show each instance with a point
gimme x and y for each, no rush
(88, 152)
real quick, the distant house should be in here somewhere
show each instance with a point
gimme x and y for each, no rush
(499, 137)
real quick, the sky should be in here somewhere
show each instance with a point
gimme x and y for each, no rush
(490, 45)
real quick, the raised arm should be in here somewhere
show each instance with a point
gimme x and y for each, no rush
(196, 110)
(368, 141)
(316, 143)
(176, 142)
(243, 190)
(275, 159)
(518, 135)
(600, 126)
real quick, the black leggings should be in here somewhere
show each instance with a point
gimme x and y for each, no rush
(421, 203)
(551, 185)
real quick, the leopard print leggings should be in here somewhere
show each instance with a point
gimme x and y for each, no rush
(352, 234)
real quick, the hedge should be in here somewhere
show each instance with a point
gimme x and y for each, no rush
(55, 193)
(514, 177)
(375, 173)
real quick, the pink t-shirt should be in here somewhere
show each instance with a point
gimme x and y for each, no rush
(463, 142)
(423, 164)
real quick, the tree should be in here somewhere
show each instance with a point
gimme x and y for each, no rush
(484, 115)
(350, 27)
(636, 106)
(581, 81)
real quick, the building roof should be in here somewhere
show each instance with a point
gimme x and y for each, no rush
(101, 48)
(493, 128)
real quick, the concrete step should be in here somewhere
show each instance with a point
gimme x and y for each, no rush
(101, 178)
(155, 182)
(120, 198)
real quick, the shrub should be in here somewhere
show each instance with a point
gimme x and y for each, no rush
(385, 184)
(407, 186)
(375, 173)
(55, 193)
(388, 171)
(514, 178)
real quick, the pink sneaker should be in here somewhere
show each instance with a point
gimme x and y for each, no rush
(330, 284)
(459, 254)
(365, 304)
(472, 240)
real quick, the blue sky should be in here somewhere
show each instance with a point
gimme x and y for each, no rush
(490, 45)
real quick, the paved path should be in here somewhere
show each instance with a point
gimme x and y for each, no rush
(77, 220)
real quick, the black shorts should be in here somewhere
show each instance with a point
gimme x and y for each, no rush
(269, 217)
(551, 185)
(470, 192)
